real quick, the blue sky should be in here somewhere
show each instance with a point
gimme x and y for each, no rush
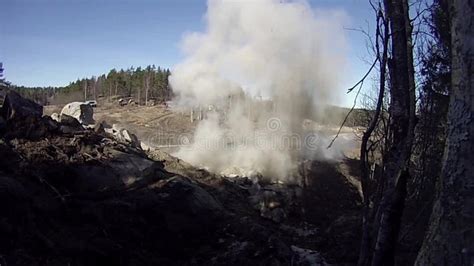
(53, 42)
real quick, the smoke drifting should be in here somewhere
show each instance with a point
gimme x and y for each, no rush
(257, 60)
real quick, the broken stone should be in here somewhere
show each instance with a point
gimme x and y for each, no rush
(124, 135)
(55, 116)
(70, 124)
(50, 123)
(17, 107)
(70, 121)
(145, 146)
(81, 111)
(22, 118)
(129, 137)
(128, 167)
(175, 165)
(99, 128)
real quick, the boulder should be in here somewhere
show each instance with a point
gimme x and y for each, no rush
(175, 165)
(70, 121)
(23, 118)
(15, 107)
(81, 111)
(70, 124)
(129, 167)
(49, 125)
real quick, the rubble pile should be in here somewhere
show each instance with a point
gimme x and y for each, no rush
(72, 194)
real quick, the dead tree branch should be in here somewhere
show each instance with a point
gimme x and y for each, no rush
(367, 213)
(347, 115)
(360, 82)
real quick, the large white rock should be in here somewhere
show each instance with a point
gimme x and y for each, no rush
(81, 111)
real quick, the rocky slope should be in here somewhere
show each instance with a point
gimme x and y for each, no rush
(76, 196)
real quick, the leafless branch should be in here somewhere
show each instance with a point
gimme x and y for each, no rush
(364, 77)
(361, 82)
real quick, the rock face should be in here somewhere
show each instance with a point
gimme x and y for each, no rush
(17, 107)
(81, 111)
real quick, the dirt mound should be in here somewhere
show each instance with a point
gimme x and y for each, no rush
(83, 197)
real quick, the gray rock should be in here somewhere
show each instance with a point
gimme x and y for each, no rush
(81, 111)
(70, 124)
(70, 121)
(55, 117)
(17, 107)
(128, 167)
(124, 135)
(50, 124)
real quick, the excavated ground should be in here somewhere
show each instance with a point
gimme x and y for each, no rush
(84, 198)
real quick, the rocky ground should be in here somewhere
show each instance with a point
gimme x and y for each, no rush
(157, 125)
(71, 195)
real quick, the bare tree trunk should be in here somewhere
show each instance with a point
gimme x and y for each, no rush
(450, 239)
(147, 85)
(139, 95)
(94, 87)
(85, 90)
(402, 112)
(367, 217)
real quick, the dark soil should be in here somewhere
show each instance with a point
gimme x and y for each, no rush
(83, 198)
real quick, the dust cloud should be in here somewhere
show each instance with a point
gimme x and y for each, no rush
(259, 70)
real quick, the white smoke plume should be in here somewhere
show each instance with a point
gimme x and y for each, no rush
(268, 55)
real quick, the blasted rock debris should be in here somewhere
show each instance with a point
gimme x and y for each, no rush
(16, 107)
(83, 196)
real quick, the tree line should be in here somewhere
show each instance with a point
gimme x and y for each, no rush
(143, 85)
